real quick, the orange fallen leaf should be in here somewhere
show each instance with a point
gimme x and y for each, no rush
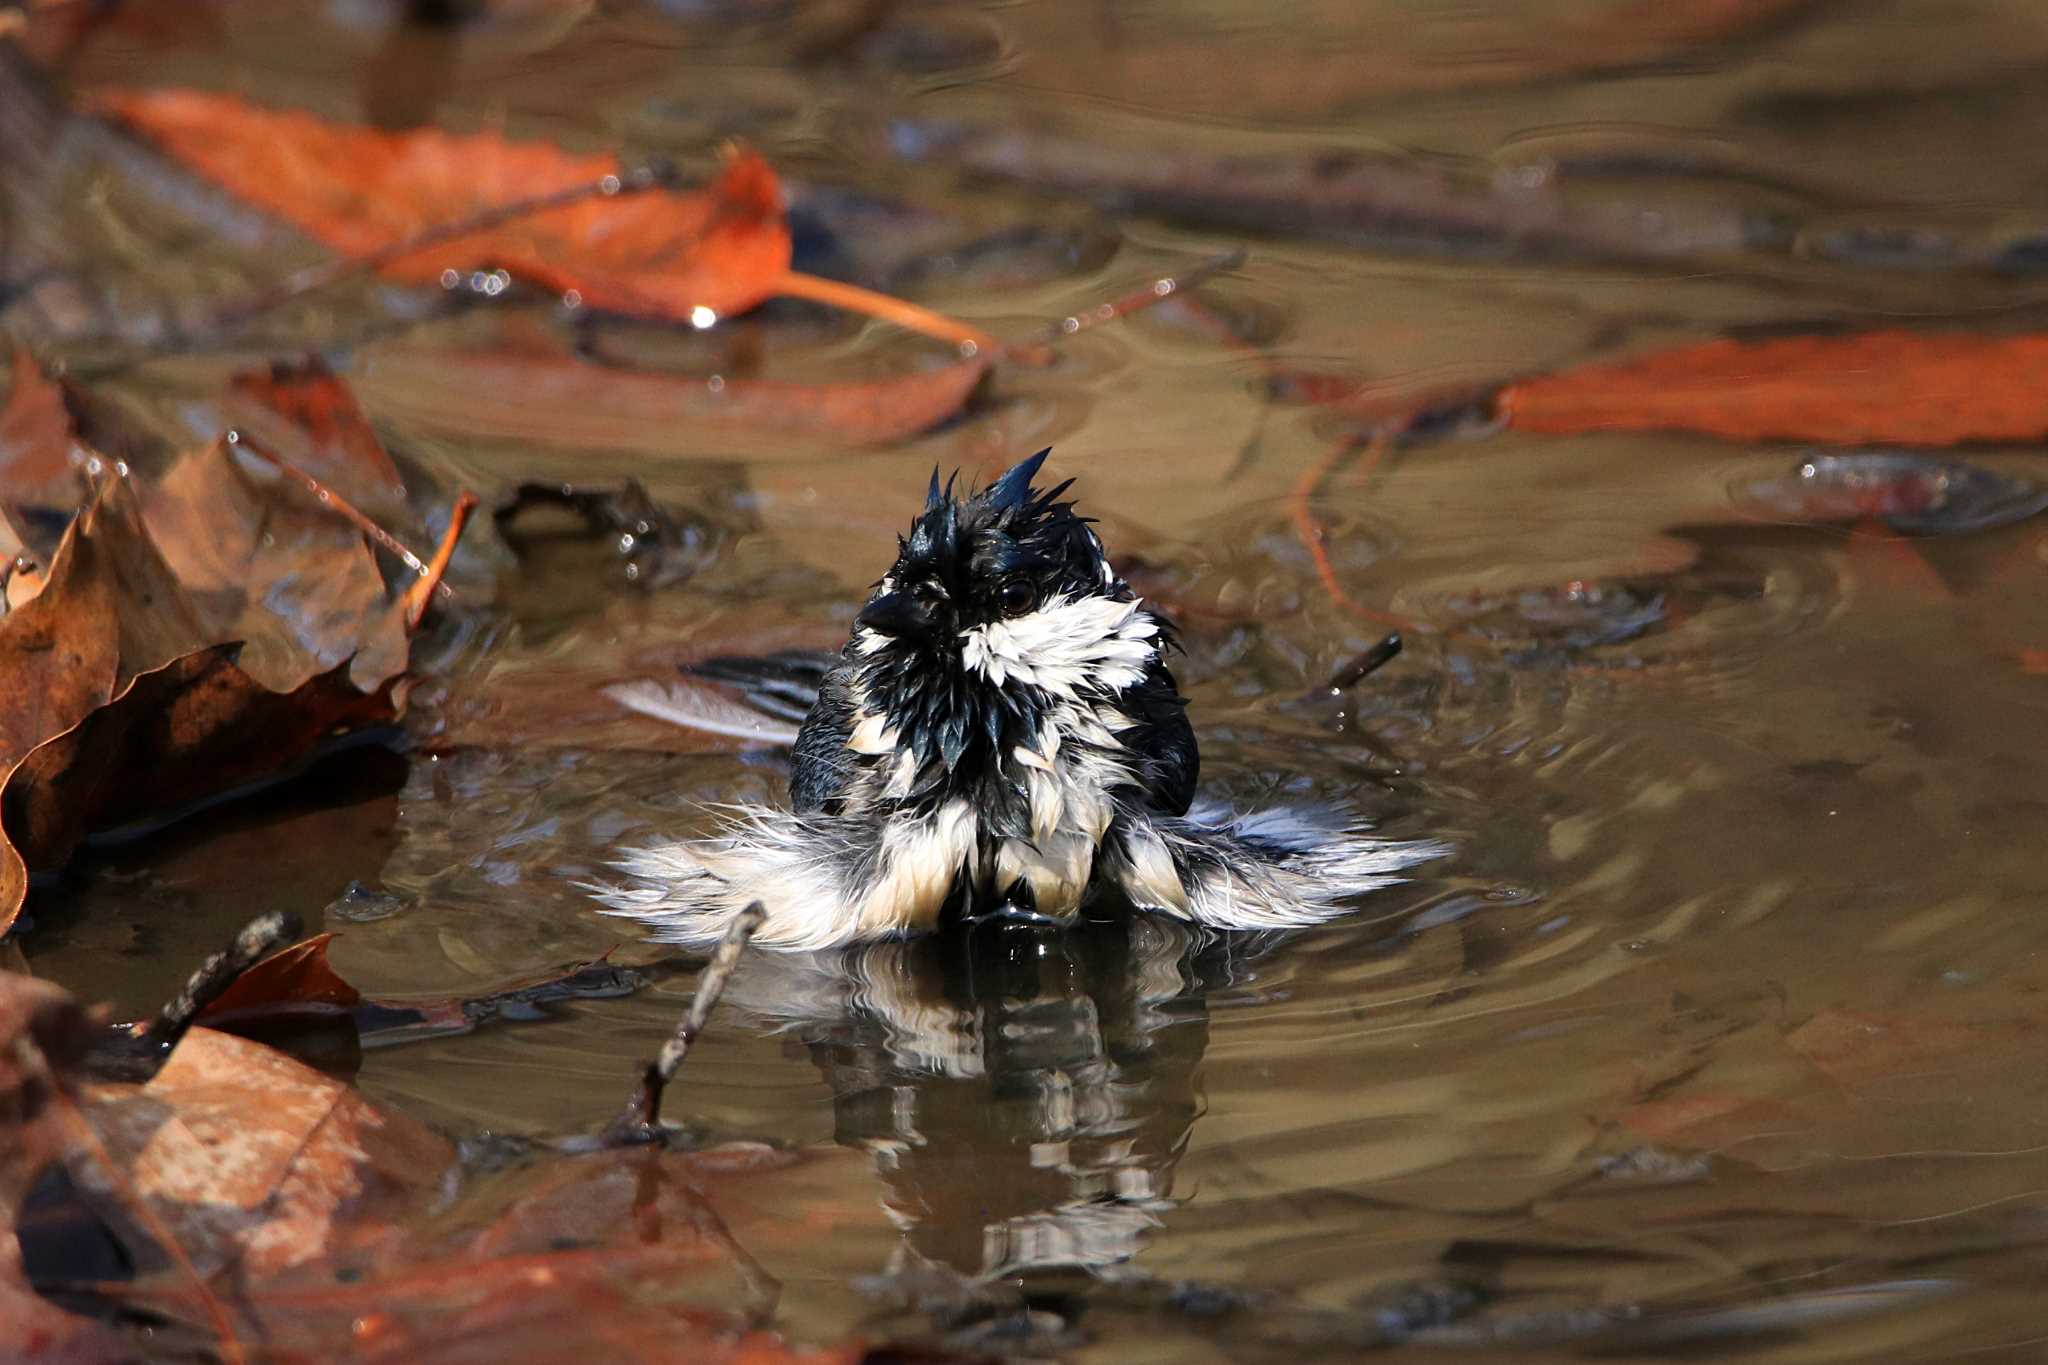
(1896, 387)
(363, 191)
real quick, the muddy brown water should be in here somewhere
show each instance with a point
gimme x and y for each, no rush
(1720, 1032)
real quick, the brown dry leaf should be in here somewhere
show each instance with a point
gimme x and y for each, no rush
(267, 565)
(198, 726)
(568, 402)
(44, 1034)
(290, 1190)
(257, 1164)
(127, 677)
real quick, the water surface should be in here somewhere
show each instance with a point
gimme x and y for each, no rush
(1720, 1030)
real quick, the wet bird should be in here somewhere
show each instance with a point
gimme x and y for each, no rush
(1001, 735)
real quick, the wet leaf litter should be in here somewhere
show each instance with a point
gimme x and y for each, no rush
(230, 508)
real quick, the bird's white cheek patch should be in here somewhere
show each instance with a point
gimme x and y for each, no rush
(1066, 646)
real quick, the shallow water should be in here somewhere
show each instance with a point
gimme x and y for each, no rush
(1719, 1032)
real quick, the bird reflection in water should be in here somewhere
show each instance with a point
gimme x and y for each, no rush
(1026, 1089)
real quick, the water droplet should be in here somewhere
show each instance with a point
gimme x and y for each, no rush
(716, 383)
(572, 298)
(608, 185)
(450, 278)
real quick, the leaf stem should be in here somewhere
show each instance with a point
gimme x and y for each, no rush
(797, 285)
(422, 592)
(347, 511)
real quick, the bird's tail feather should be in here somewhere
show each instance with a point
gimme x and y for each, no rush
(804, 870)
(828, 881)
(1284, 867)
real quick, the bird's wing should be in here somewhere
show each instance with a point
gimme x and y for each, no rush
(821, 766)
(784, 684)
(1169, 761)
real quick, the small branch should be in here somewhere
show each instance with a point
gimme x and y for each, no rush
(1315, 537)
(1366, 664)
(329, 273)
(259, 938)
(343, 508)
(1158, 291)
(422, 592)
(971, 340)
(641, 1120)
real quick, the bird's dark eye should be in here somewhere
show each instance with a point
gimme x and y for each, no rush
(1016, 596)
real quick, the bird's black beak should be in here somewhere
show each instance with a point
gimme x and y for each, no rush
(898, 614)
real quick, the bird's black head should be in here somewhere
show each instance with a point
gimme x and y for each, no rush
(1000, 611)
(1000, 555)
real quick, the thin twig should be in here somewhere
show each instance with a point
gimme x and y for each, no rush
(315, 277)
(81, 1133)
(1315, 537)
(259, 938)
(1158, 291)
(337, 504)
(1366, 664)
(641, 1120)
(422, 592)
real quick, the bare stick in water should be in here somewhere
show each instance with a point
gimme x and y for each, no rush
(1366, 664)
(642, 1117)
(259, 938)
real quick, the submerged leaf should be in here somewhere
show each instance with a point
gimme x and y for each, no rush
(568, 402)
(1896, 387)
(1907, 492)
(364, 191)
(257, 1162)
